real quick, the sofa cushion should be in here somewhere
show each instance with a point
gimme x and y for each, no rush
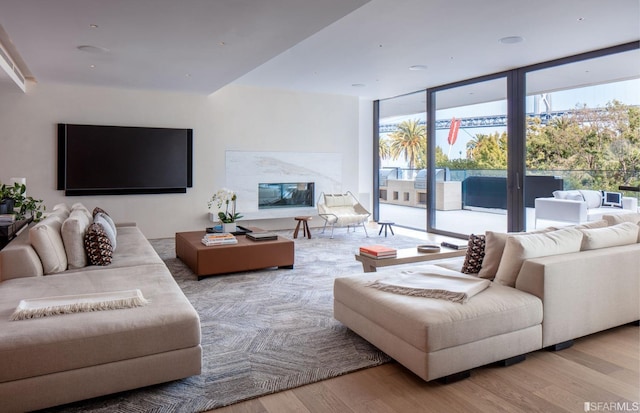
(620, 234)
(475, 254)
(61, 207)
(614, 219)
(573, 195)
(80, 206)
(98, 245)
(108, 226)
(592, 198)
(521, 247)
(45, 238)
(338, 200)
(494, 247)
(73, 231)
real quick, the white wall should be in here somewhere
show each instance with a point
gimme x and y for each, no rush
(234, 118)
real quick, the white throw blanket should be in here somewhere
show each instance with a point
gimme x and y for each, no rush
(428, 285)
(48, 306)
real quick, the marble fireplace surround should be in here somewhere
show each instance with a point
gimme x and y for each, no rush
(245, 170)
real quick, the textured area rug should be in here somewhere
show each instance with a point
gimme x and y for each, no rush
(262, 331)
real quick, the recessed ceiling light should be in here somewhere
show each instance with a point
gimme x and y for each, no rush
(511, 40)
(418, 67)
(93, 26)
(221, 44)
(187, 75)
(580, 19)
(92, 66)
(358, 85)
(92, 49)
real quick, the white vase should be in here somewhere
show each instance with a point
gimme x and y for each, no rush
(229, 227)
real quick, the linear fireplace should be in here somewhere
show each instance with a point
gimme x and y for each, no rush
(285, 195)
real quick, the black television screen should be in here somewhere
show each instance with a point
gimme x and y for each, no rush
(118, 160)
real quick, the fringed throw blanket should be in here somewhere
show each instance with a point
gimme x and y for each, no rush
(456, 289)
(48, 306)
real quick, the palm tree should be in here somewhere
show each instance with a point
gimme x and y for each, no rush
(408, 140)
(384, 150)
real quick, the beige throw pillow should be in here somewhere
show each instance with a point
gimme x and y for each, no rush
(45, 238)
(494, 247)
(521, 247)
(73, 231)
(613, 236)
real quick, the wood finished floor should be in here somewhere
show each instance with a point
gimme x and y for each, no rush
(603, 367)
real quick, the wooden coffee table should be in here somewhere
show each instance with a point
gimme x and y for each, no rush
(407, 256)
(246, 255)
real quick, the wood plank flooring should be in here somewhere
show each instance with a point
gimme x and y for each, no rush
(601, 368)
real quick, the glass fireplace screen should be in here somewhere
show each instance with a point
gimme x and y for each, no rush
(285, 195)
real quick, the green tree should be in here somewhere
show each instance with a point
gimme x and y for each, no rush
(408, 141)
(488, 151)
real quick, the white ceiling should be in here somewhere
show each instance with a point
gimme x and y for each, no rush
(324, 46)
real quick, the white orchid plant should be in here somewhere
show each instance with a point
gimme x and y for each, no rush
(227, 198)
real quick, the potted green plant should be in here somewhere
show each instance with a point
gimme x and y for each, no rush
(14, 201)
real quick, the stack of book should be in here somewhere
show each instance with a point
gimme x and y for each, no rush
(378, 251)
(220, 238)
(7, 218)
(456, 245)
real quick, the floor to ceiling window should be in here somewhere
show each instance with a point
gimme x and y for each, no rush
(402, 140)
(572, 123)
(471, 157)
(583, 127)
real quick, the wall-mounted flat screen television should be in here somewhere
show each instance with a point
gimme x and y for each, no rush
(119, 160)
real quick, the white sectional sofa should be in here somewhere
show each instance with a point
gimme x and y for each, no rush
(579, 206)
(548, 288)
(72, 356)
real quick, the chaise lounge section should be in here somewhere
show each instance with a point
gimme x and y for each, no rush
(63, 358)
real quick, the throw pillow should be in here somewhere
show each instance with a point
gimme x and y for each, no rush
(109, 228)
(45, 238)
(98, 246)
(612, 199)
(109, 220)
(573, 195)
(616, 235)
(593, 198)
(475, 254)
(521, 247)
(81, 207)
(73, 231)
(97, 210)
(494, 247)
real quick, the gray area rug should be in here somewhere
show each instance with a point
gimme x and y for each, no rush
(262, 331)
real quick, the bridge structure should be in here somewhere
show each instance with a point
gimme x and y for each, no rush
(489, 121)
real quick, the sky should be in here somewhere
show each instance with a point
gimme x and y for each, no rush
(627, 92)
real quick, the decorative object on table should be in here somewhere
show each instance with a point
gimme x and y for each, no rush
(428, 248)
(13, 200)
(228, 218)
(240, 230)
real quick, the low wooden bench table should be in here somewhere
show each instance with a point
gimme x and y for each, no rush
(246, 255)
(408, 256)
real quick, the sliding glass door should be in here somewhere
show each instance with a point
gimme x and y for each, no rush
(470, 155)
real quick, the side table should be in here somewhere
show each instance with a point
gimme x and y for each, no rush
(8, 231)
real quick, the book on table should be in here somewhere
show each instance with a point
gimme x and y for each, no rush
(378, 251)
(262, 236)
(222, 238)
(456, 245)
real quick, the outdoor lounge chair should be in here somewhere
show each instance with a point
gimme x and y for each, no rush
(342, 210)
